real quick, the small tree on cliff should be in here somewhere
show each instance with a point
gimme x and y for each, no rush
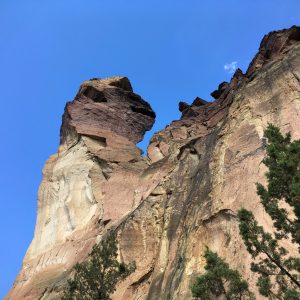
(96, 278)
(278, 271)
(220, 280)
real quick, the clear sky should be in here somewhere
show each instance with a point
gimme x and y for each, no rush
(171, 50)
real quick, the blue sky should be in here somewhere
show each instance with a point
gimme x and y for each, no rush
(170, 50)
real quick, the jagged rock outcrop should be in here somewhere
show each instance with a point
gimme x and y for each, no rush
(92, 182)
(181, 197)
(110, 105)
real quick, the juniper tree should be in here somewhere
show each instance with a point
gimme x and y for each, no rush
(277, 269)
(96, 278)
(220, 280)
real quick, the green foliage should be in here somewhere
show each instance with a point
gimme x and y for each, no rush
(96, 278)
(220, 280)
(278, 271)
(283, 176)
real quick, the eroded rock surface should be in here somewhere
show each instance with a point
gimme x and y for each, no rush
(181, 197)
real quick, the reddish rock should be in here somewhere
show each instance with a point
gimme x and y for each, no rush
(221, 88)
(274, 44)
(183, 106)
(108, 104)
(165, 208)
(199, 102)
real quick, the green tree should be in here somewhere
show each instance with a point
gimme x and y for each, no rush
(219, 280)
(96, 278)
(278, 271)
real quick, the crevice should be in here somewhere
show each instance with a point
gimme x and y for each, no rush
(94, 94)
(142, 279)
(105, 222)
(143, 111)
(296, 76)
(226, 212)
(100, 139)
(43, 294)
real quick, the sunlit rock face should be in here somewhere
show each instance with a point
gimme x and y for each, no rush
(183, 196)
(91, 183)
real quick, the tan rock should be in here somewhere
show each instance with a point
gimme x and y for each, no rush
(199, 171)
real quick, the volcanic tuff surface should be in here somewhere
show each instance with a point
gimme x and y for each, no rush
(181, 197)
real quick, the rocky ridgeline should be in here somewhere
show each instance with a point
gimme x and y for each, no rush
(183, 196)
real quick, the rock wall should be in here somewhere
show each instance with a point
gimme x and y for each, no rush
(181, 197)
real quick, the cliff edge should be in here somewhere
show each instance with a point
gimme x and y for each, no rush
(181, 197)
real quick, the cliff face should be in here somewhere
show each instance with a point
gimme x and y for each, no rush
(181, 197)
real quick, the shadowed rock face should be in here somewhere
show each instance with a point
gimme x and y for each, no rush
(168, 206)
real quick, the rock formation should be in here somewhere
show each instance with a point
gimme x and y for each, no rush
(181, 197)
